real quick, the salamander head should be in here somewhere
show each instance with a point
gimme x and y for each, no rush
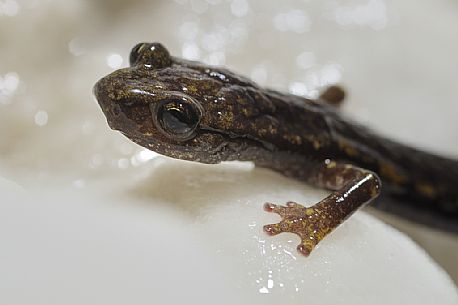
(179, 108)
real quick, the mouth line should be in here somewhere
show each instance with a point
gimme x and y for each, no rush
(231, 136)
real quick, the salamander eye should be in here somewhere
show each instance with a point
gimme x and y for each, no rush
(177, 118)
(153, 55)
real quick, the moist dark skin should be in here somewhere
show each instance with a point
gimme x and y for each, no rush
(190, 111)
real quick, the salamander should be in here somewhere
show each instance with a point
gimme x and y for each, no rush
(188, 110)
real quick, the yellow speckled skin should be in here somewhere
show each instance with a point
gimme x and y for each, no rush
(191, 111)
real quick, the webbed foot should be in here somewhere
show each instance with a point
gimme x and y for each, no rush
(310, 224)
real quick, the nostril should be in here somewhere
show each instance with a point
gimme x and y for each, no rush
(100, 92)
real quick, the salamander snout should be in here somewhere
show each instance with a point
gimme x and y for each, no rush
(153, 55)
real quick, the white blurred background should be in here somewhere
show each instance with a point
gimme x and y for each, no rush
(397, 60)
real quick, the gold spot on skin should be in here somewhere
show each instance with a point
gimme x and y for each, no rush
(315, 141)
(273, 130)
(262, 132)
(426, 189)
(331, 164)
(375, 191)
(227, 119)
(241, 101)
(294, 139)
(192, 88)
(309, 212)
(348, 149)
(389, 172)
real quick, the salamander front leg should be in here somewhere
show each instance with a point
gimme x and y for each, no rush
(353, 187)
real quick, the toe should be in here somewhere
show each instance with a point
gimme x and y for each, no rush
(293, 204)
(304, 249)
(272, 229)
(269, 207)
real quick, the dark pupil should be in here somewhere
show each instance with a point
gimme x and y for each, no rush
(179, 118)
